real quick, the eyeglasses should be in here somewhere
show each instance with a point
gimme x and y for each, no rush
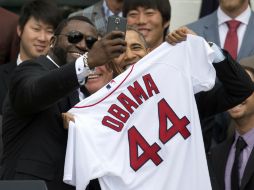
(75, 37)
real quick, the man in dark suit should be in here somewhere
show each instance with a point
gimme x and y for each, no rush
(222, 157)
(34, 29)
(43, 88)
(9, 42)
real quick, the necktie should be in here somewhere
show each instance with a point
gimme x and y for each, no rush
(240, 145)
(231, 42)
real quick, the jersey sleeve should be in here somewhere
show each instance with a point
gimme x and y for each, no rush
(201, 57)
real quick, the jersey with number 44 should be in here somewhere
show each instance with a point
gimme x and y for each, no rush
(141, 131)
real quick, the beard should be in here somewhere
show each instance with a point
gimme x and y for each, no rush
(61, 55)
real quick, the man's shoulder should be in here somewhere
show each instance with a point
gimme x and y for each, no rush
(89, 10)
(36, 63)
(8, 66)
(205, 21)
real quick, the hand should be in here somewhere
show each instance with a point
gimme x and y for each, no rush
(67, 117)
(105, 50)
(179, 35)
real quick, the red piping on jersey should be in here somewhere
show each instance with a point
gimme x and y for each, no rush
(109, 93)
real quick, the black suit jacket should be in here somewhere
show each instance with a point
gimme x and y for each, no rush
(217, 164)
(33, 134)
(233, 86)
(5, 72)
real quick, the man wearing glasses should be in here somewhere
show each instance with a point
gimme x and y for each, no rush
(43, 88)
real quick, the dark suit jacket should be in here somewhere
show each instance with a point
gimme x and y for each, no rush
(1, 142)
(33, 134)
(217, 164)
(207, 27)
(9, 40)
(5, 72)
(233, 87)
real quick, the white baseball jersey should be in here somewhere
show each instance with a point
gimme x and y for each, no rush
(142, 131)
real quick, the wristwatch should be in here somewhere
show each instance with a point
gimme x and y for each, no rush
(85, 61)
(85, 57)
(218, 53)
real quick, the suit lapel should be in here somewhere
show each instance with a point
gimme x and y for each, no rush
(210, 34)
(98, 16)
(247, 48)
(220, 158)
(249, 170)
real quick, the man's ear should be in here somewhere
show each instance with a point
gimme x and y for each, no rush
(166, 24)
(52, 41)
(19, 32)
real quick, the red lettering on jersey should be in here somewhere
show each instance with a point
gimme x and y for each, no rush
(137, 92)
(150, 85)
(119, 113)
(149, 152)
(112, 123)
(178, 125)
(127, 102)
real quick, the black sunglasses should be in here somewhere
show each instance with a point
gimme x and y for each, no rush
(75, 37)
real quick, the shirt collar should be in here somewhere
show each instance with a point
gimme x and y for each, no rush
(53, 61)
(248, 137)
(243, 17)
(108, 12)
(19, 60)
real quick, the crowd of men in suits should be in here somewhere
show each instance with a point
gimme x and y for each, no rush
(33, 97)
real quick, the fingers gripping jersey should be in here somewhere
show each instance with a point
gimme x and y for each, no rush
(142, 130)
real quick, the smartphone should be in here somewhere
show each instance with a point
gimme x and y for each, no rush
(116, 23)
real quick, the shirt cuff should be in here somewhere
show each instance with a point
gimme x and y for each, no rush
(219, 57)
(81, 71)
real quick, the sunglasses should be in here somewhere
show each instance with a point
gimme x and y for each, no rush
(75, 37)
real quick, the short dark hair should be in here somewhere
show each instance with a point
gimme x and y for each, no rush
(141, 36)
(163, 6)
(64, 22)
(44, 10)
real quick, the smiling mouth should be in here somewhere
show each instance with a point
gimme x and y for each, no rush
(144, 31)
(40, 47)
(93, 76)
